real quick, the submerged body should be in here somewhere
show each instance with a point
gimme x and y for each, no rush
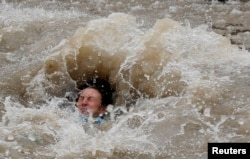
(89, 102)
(93, 99)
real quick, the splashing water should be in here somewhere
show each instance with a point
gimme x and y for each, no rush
(179, 87)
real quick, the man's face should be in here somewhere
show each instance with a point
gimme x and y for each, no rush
(89, 102)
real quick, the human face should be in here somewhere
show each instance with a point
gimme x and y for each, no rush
(89, 102)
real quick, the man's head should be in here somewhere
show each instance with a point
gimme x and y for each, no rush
(94, 97)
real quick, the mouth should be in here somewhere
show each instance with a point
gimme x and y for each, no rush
(84, 111)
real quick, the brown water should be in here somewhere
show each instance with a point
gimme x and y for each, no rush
(180, 79)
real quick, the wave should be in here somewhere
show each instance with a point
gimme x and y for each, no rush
(183, 87)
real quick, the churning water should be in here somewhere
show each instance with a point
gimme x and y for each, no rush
(179, 85)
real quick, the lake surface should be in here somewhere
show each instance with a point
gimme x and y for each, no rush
(180, 70)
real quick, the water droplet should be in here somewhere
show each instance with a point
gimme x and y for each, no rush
(110, 108)
(147, 76)
(241, 121)
(7, 152)
(207, 112)
(11, 138)
(31, 137)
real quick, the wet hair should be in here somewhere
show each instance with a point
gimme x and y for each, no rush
(103, 87)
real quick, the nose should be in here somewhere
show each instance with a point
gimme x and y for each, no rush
(83, 102)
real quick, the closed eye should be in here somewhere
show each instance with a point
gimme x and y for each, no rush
(89, 98)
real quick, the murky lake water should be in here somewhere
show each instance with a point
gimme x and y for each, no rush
(180, 70)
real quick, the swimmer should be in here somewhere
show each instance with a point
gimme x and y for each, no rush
(93, 100)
